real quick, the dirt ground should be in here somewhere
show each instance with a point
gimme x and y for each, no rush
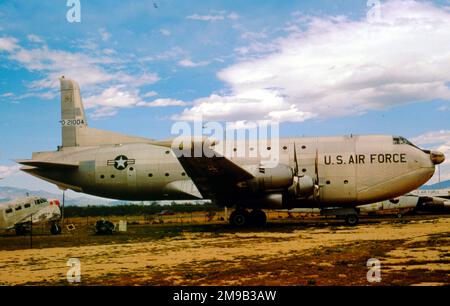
(414, 250)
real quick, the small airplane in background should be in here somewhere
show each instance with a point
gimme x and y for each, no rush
(22, 213)
(416, 201)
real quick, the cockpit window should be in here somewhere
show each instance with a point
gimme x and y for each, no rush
(402, 140)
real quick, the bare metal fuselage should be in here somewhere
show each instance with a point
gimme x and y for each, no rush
(352, 170)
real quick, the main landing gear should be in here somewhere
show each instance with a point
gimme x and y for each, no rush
(350, 215)
(241, 217)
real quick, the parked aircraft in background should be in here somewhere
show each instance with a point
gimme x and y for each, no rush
(338, 173)
(21, 214)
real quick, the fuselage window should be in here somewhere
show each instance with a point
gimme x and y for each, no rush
(9, 210)
(18, 208)
(28, 205)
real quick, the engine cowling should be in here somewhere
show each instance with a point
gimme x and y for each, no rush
(270, 179)
(302, 187)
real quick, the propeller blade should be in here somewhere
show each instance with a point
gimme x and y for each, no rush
(295, 160)
(316, 183)
(316, 166)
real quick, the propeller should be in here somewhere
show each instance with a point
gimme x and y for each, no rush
(316, 181)
(296, 162)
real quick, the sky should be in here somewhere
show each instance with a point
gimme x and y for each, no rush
(317, 67)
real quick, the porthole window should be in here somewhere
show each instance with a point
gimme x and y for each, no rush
(167, 174)
(234, 149)
(345, 182)
(18, 208)
(102, 176)
(183, 174)
(28, 205)
(328, 182)
(113, 176)
(150, 175)
(303, 170)
(9, 210)
(284, 148)
(131, 169)
(167, 152)
(269, 148)
(303, 147)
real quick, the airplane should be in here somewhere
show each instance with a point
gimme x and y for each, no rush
(19, 214)
(415, 201)
(338, 173)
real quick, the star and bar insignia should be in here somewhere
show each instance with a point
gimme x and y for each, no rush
(121, 162)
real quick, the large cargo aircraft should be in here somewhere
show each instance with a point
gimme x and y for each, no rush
(333, 173)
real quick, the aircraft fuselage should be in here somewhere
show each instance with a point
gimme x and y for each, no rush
(352, 170)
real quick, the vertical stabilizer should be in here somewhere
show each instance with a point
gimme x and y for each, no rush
(73, 120)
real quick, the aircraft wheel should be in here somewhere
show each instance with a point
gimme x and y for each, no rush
(258, 217)
(22, 229)
(239, 217)
(352, 219)
(55, 229)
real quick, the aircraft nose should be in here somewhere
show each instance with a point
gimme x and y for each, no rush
(437, 157)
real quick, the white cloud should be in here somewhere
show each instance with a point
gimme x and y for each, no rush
(150, 94)
(440, 141)
(164, 103)
(233, 16)
(216, 17)
(105, 35)
(93, 72)
(170, 54)
(113, 97)
(206, 17)
(191, 64)
(6, 171)
(109, 100)
(165, 32)
(339, 67)
(8, 44)
(35, 38)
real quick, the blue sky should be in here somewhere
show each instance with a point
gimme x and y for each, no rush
(319, 67)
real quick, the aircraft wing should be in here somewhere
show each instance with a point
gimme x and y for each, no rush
(48, 164)
(215, 177)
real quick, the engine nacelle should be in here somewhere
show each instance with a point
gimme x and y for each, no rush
(270, 179)
(302, 187)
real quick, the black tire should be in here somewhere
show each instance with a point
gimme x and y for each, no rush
(22, 229)
(55, 229)
(239, 218)
(352, 219)
(258, 217)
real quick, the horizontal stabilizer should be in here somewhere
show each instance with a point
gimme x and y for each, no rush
(48, 164)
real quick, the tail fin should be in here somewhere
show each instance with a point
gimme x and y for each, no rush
(72, 113)
(75, 131)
